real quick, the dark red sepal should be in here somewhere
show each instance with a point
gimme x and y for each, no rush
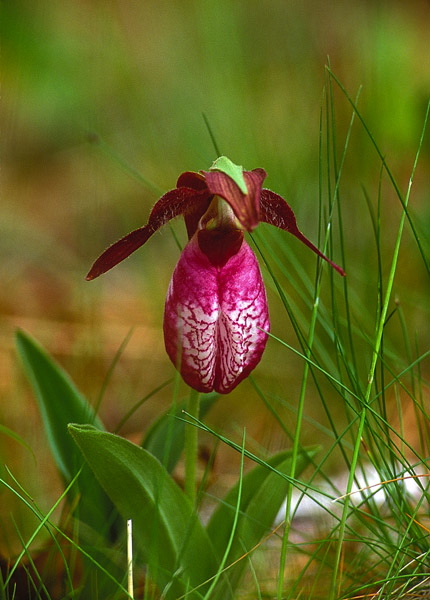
(172, 204)
(245, 206)
(274, 210)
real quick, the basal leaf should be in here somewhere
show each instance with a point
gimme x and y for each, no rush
(60, 403)
(167, 532)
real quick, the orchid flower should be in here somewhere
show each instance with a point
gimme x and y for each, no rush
(216, 318)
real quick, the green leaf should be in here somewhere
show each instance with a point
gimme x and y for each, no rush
(263, 492)
(225, 165)
(167, 531)
(60, 403)
(166, 437)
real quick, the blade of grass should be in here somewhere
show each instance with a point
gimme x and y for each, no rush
(14, 436)
(165, 439)
(191, 447)
(229, 544)
(46, 523)
(403, 201)
(306, 367)
(376, 346)
(111, 369)
(139, 403)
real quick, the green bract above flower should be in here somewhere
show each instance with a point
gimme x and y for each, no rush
(233, 171)
(216, 318)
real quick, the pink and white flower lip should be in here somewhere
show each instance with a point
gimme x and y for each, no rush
(216, 317)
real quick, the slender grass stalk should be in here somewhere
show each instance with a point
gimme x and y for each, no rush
(377, 345)
(235, 521)
(139, 403)
(404, 202)
(308, 344)
(44, 521)
(14, 436)
(119, 160)
(211, 134)
(295, 453)
(335, 203)
(130, 585)
(39, 586)
(191, 446)
(111, 369)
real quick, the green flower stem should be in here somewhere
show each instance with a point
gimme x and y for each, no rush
(191, 448)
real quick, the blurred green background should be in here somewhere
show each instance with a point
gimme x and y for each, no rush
(102, 106)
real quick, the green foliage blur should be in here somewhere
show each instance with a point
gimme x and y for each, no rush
(104, 105)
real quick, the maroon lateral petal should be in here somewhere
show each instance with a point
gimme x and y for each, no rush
(172, 204)
(245, 206)
(191, 179)
(119, 251)
(275, 211)
(194, 213)
(197, 209)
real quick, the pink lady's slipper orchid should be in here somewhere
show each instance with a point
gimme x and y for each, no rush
(216, 318)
